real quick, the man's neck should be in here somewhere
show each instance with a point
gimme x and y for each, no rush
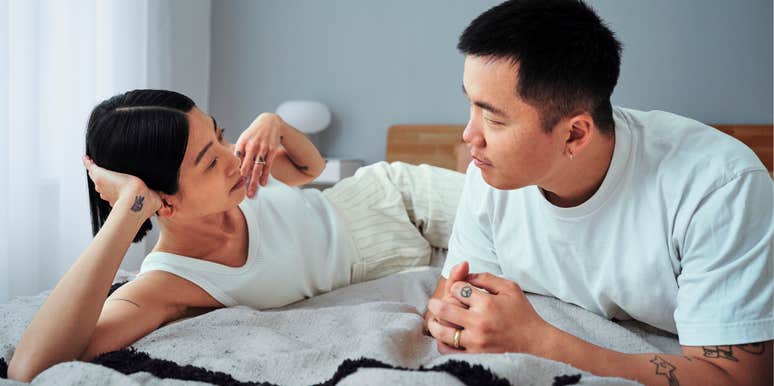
(582, 176)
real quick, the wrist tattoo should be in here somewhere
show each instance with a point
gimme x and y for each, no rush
(666, 369)
(137, 206)
(466, 291)
(125, 300)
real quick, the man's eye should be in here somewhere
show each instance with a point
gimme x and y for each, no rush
(213, 163)
(220, 136)
(491, 122)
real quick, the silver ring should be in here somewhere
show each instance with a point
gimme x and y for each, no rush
(260, 162)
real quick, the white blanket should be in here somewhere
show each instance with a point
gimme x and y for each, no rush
(304, 343)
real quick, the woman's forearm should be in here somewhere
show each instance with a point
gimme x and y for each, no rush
(301, 151)
(62, 328)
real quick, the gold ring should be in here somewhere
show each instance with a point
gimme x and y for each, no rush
(457, 334)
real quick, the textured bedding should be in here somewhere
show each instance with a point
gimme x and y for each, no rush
(366, 334)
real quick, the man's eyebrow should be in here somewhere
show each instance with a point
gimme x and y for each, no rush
(485, 105)
(207, 146)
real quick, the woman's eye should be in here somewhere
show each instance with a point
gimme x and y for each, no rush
(213, 163)
(220, 136)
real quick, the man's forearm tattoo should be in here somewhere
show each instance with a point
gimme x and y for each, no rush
(137, 206)
(752, 348)
(666, 369)
(125, 300)
(727, 352)
(466, 291)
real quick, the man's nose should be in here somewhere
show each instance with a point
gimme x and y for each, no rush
(473, 135)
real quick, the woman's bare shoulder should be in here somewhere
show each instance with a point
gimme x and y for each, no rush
(168, 289)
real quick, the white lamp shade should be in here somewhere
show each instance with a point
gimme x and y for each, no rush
(308, 116)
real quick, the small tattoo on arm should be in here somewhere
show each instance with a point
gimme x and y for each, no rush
(138, 203)
(666, 369)
(721, 352)
(299, 167)
(125, 300)
(466, 291)
(752, 348)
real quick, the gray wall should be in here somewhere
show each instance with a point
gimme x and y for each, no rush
(376, 64)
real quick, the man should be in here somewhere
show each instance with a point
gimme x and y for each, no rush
(629, 214)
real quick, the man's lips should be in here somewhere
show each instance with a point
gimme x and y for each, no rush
(480, 162)
(240, 183)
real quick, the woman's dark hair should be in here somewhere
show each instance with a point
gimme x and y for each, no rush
(568, 59)
(143, 133)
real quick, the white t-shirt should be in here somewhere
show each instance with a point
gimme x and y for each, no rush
(679, 234)
(298, 248)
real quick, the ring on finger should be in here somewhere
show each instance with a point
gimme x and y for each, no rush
(457, 334)
(260, 160)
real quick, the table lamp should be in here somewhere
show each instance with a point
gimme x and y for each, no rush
(309, 117)
(312, 117)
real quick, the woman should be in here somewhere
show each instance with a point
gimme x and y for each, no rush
(153, 152)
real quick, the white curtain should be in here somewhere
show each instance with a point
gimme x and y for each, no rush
(57, 60)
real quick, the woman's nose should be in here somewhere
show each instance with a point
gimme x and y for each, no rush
(236, 164)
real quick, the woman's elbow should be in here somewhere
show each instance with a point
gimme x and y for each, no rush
(23, 369)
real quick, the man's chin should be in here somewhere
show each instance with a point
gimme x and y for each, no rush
(500, 182)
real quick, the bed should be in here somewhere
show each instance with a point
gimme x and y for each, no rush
(365, 334)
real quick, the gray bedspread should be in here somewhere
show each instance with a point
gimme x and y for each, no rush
(304, 343)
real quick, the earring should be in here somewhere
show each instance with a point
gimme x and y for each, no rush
(571, 155)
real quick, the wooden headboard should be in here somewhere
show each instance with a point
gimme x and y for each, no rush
(441, 145)
(758, 137)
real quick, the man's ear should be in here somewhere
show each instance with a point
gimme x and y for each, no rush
(579, 132)
(167, 206)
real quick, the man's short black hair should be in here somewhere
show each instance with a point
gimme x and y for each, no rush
(568, 58)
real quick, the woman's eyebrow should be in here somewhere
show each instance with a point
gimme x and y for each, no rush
(207, 146)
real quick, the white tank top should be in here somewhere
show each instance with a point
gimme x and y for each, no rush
(298, 248)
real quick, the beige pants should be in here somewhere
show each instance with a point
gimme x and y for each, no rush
(395, 213)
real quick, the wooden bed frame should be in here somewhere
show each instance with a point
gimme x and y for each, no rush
(441, 145)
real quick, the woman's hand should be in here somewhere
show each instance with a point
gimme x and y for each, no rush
(257, 147)
(114, 186)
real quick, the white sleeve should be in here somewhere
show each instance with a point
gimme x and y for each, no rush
(471, 238)
(726, 292)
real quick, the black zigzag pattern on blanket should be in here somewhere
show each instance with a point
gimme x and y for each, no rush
(468, 374)
(115, 286)
(130, 361)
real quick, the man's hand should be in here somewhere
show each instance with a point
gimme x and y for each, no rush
(443, 292)
(501, 320)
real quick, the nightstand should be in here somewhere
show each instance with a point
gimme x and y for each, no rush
(335, 170)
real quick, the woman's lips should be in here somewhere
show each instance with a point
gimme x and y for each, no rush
(240, 183)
